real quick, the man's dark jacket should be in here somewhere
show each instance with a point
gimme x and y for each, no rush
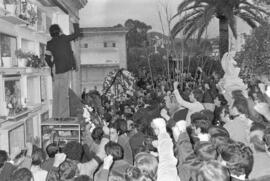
(61, 51)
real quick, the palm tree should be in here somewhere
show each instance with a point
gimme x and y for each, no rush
(195, 16)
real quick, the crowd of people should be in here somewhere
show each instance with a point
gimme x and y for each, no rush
(164, 132)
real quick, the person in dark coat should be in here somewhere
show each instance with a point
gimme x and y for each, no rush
(59, 49)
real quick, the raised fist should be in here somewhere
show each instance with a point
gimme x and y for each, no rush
(59, 158)
(159, 126)
(107, 162)
(175, 85)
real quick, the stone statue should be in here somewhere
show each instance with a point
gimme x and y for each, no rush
(231, 80)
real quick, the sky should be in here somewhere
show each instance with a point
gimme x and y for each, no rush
(98, 13)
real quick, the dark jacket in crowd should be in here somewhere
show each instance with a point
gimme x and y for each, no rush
(7, 170)
(61, 51)
(188, 163)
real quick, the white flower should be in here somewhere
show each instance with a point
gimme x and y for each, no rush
(92, 127)
(9, 106)
(90, 109)
(86, 114)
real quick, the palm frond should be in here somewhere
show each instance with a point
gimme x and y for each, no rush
(205, 21)
(248, 10)
(256, 16)
(195, 21)
(191, 32)
(188, 15)
(176, 29)
(254, 7)
(248, 19)
(185, 4)
(184, 23)
(194, 7)
(198, 20)
(189, 26)
(200, 24)
(202, 30)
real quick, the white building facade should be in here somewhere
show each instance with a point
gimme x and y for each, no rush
(26, 90)
(103, 50)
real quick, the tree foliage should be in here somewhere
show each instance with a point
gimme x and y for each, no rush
(254, 58)
(196, 15)
(137, 33)
(141, 49)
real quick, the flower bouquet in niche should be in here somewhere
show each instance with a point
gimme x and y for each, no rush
(14, 102)
(35, 62)
(21, 57)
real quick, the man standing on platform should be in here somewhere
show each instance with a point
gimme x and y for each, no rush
(59, 49)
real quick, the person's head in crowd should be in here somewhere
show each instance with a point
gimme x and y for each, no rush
(146, 145)
(22, 174)
(256, 137)
(219, 135)
(116, 176)
(208, 114)
(127, 109)
(196, 95)
(158, 125)
(117, 128)
(38, 157)
(200, 123)
(239, 107)
(135, 174)
(255, 93)
(238, 158)
(114, 149)
(205, 151)
(207, 97)
(67, 170)
(107, 117)
(206, 86)
(51, 150)
(55, 30)
(73, 150)
(97, 134)
(220, 100)
(3, 158)
(219, 139)
(147, 163)
(171, 103)
(83, 178)
(107, 105)
(214, 171)
(214, 130)
(140, 101)
(222, 115)
(130, 125)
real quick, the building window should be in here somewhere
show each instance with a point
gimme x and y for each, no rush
(8, 46)
(109, 44)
